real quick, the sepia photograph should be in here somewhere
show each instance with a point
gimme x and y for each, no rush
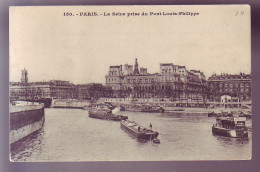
(130, 83)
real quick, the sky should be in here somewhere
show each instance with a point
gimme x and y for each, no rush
(80, 49)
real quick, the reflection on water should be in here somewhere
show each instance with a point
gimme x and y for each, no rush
(70, 135)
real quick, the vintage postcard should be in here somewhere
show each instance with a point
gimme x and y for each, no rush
(130, 83)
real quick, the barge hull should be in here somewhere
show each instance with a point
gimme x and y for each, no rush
(102, 117)
(229, 133)
(108, 117)
(142, 136)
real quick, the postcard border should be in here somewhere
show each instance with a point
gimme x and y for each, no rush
(166, 166)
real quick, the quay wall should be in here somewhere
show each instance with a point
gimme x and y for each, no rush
(171, 104)
(24, 121)
(193, 107)
(69, 103)
(158, 102)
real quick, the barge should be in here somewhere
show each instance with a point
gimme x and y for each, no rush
(151, 109)
(142, 108)
(105, 114)
(218, 113)
(139, 132)
(230, 127)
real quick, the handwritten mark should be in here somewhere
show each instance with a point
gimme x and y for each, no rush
(240, 13)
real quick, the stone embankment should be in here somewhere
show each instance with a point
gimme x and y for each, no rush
(69, 103)
(24, 120)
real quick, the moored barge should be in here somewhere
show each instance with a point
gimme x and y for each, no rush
(142, 108)
(230, 127)
(151, 109)
(105, 114)
(137, 131)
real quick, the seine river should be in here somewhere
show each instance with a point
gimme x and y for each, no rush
(70, 135)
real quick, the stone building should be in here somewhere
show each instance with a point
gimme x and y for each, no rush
(62, 89)
(36, 90)
(233, 85)
(56, 89)
(92, 91)
(173, 81)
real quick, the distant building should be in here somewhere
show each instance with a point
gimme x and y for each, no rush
(143, 71)
(56, 89)
(136, 70)
(199, 74)
(128, 69)
(225, 99)
(173, 81)
(36, 90)
(24, 78)
(234, 85)
(92, 91)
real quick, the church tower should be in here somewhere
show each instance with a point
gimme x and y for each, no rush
(136, 70)
(24, 78)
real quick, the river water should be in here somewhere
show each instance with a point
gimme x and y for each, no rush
(70, 135)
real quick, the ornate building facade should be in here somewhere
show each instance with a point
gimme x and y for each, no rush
(233, 85)
(92, 91)
(173, 81)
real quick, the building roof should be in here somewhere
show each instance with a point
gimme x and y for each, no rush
(166, 64)
(229, 76)
(196, 71)
(115, 66)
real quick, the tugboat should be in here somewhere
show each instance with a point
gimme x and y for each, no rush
(139, 132)
(106, 114)
(230, 127)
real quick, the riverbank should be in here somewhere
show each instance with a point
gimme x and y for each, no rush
(168, 107)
